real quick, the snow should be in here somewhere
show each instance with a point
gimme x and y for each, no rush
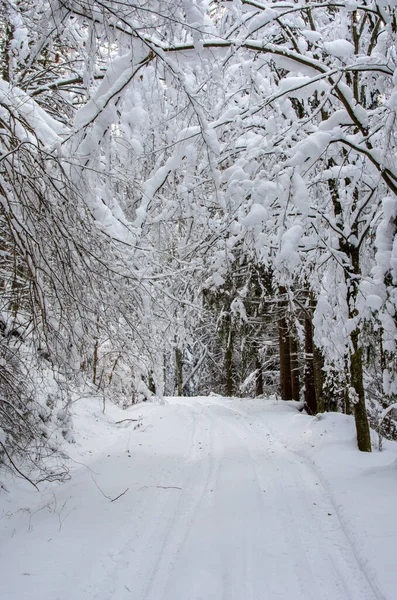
(153, 184)
(206, 498)
(117, 77)
(374, 301)
(312, 36)
(47, 129)
(310, 148)
(339, 48)
(262, 19)
(217, 279)
(295, 66)
(257, 214)
(339, 117)
(303, 87)
(384, 238)
(237, 309)
(289, 246)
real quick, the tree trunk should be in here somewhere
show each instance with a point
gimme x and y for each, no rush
(285, 360)
(229, 356)
(259, 376)
(359, 408)
(151, 385)
(356, 359)
(294, 363)
(179, 371)
(95, 363)
(318, 364)
(5, 42)
(310, 387)
(352, 273)
(346, 398)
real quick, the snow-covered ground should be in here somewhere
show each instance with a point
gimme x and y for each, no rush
(206, 498)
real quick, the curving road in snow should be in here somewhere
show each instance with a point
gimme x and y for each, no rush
(217, 508)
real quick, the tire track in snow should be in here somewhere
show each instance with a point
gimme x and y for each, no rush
(143, 564)
(280, 553)
(186, 510)
(154, 507)
(344, 551)
(261, 453)
(276, 544)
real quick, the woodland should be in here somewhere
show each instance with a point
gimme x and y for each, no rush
(195, 196)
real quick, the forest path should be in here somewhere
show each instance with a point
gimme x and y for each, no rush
(217, 508)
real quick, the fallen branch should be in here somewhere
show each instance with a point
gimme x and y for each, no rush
(105, 495)
(163, 487)
(124, 420)
(119, 496)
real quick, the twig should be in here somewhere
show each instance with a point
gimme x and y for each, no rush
(124, 420)
(119, 496)
(16, 468)
(163, 487)
(105, 495)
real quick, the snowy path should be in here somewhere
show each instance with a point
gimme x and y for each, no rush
(217, 509)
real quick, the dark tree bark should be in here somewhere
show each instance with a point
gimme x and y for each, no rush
(179, 371)
(151, 384)
(7, 35)
(310, 387)
(294, 363)
(285, 359)
(259, 376)
(229, 355)
(95, 363)
(352, 273)
(356, 372)
(318, 364)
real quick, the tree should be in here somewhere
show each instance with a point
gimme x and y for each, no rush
(159, 164)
